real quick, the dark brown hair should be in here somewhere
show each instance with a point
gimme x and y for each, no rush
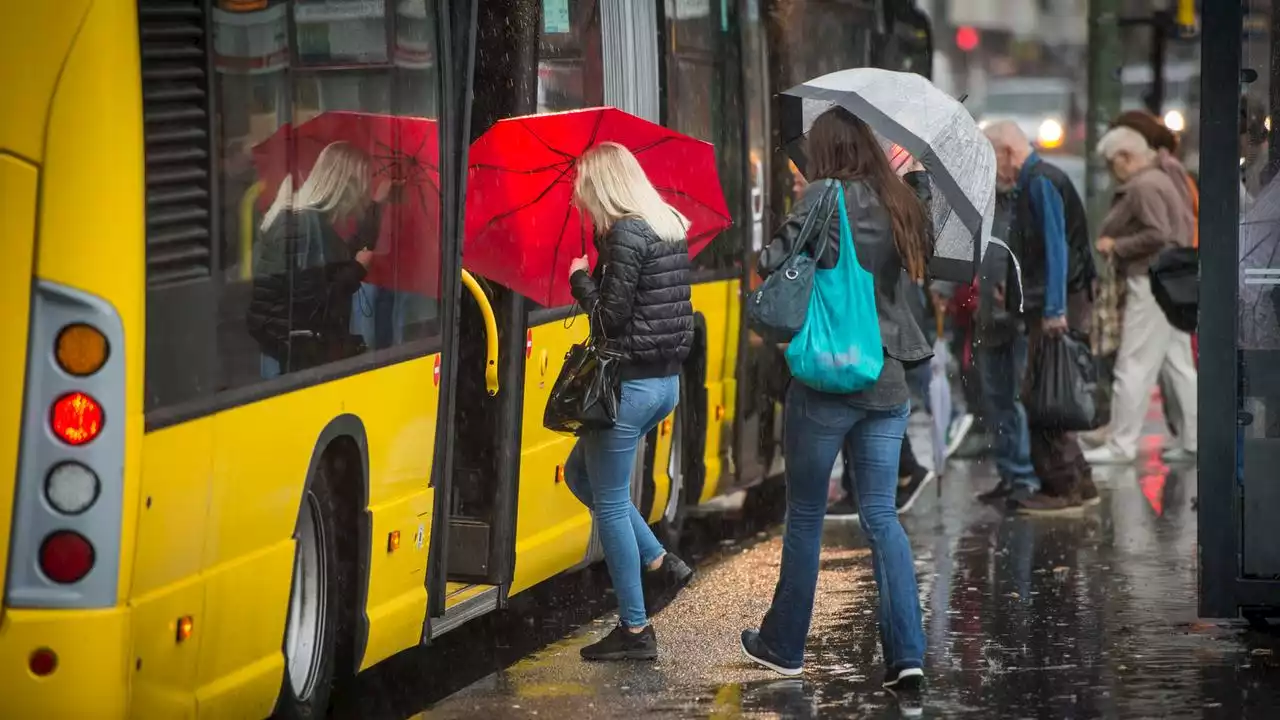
(1150, 128)
(843, 147)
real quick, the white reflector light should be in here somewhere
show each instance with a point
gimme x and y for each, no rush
(71, 488)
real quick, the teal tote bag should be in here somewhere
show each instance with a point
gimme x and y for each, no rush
(838, 349)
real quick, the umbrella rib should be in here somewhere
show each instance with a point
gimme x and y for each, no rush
(547, 145)
(504, 215)
(530, 171)
(555, 256)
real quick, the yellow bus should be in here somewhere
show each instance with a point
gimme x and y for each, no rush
(190, 527)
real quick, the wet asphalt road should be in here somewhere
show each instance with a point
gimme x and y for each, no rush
(1091, 616)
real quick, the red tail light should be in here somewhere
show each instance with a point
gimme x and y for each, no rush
(66, 557)
(76, 418)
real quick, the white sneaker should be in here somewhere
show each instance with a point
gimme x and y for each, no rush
(1106, 455)
(1178, 455)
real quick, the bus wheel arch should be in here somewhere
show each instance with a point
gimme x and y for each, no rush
(326, 628)
(692, 412)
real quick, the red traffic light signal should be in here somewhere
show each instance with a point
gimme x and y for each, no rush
(966, 38)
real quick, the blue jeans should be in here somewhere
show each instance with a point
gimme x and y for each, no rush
(1002, 369)
(816, 426)
(599, 474)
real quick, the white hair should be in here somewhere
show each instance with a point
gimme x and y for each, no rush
(611, 185)
(1007, 133)
(1125, 140)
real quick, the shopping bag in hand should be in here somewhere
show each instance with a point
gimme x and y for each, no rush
(1064, 383)
(838, 350)
(585, 396)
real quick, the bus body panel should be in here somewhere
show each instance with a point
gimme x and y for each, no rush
(17, 230)
(35, 39)
(662, 469)
(91, 212)
(713, 301)
(553, 528)
(92, 679)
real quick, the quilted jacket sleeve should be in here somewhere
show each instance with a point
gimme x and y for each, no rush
(611, 299)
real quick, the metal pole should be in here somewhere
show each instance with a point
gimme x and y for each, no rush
(1161, 25)
(1104, 97)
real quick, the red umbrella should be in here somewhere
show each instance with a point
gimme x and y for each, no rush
(402, 150)
(521, 227)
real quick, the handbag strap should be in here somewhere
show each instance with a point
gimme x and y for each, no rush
(807, 230)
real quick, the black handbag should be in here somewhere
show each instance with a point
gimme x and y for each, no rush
(1064, 385)
(777, 309)
(1175, 283)
(588, 389)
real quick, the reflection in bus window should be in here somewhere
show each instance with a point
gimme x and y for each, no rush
(314, 273)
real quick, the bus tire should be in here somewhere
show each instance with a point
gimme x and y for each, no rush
(312, 632)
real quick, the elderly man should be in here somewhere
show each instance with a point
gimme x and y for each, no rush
(1148, 215)
(1048, 234)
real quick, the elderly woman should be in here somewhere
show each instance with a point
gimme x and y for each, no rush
(1149, 214)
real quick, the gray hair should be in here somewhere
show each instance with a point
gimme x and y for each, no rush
(1007, 133)
(1125, 140)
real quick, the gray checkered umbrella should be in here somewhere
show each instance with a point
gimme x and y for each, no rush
(906, 109)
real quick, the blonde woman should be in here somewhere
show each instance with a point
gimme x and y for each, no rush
(305, 273)
(639, 298)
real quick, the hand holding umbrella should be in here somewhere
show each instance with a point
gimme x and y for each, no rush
(582, 263)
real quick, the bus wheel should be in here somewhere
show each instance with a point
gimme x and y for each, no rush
(310, 637)
(671, 525)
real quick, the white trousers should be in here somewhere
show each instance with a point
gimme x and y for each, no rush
(1148, 344)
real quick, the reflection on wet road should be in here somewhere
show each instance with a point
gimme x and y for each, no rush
(1090, 616)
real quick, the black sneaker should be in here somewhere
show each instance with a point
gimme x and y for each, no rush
(907, 685)
(843, 510)
(754, 648)
(663, 584)
(622, 644)
(907, 494)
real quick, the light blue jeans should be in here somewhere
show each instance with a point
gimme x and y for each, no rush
(817, 424)
(599, 474)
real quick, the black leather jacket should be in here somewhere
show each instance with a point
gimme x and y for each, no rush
(877, 253)
(639, 295)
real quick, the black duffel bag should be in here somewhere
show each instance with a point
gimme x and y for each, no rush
(1175, 283)
(1064, 385)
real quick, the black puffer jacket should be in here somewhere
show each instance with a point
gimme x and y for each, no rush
(639, 296)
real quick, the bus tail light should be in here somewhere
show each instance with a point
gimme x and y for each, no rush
(68, 502)
(76, 418)
(81, 350)
(71, 488)
(66, 557)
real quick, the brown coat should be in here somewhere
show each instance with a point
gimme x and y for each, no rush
(1148, 214)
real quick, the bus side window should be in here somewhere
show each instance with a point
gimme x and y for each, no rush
(330, 210)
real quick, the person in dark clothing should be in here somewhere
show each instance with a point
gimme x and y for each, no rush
(892, 245)
(639, 301)
(1048, 234)
(305, 273)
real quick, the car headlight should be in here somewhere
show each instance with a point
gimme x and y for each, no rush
(1051, 133)
(1175, 121)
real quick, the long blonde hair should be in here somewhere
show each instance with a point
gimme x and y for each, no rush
(337, 186)
(611, 185)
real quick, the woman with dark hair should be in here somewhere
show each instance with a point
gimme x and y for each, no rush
(892, 244)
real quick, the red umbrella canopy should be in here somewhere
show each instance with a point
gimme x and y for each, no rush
(522, 229)
(404, 151)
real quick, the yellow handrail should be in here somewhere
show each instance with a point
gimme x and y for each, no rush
(490, 331)
(246, 229)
